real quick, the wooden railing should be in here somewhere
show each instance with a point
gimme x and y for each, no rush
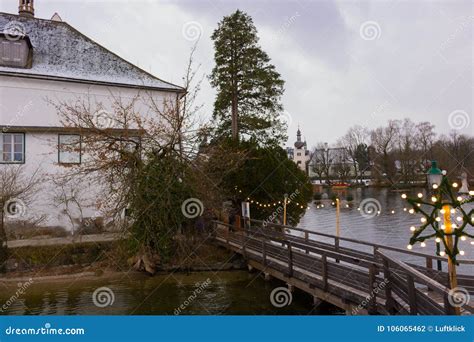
(384, 284)
(403, 288)
(464, 280)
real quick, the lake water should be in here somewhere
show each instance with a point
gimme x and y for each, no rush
(232, 292)
(205, 293)
(390, 227)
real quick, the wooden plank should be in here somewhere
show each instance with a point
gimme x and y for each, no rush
(412, 295)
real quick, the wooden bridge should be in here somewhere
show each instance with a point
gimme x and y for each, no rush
(365, 279)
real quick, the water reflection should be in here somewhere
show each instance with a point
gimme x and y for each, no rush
(390, 227)
(230, 293)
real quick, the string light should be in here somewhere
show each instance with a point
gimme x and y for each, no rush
(409, 247)
(404, 196)
(444, 195)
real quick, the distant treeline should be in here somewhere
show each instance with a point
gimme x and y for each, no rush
(399, 152)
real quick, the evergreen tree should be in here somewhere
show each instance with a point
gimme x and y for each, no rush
(249, 89)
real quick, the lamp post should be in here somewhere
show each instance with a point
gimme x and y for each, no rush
(434, 178)
(285, 200)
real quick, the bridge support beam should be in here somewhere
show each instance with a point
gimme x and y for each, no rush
(317, 301)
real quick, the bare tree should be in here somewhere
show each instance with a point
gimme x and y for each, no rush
(352, 141)
(383, 140)
(16, 192)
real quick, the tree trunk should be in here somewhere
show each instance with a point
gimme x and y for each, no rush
(3, 242)
(235, 129)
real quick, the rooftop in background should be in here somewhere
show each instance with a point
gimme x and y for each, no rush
(62, 52)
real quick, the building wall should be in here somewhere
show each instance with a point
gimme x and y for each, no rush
(24, 102)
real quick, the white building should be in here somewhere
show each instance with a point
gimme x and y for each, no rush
(299, 154)
(44, 61)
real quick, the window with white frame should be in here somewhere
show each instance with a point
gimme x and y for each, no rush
(12, 146)
(69, 149)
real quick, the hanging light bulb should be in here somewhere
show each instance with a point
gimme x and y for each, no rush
(461, 252)
(412, 228)
(404, 209)
(404, 196)
(455, 185)
(438, 219)
(443, 227)
(442, 253)
(423, 219)
(409, 247)
(442, 211)
(420, 195)
(459, 198)
(459, 218)
(435, 186)
(433, 199)
(453, 211)
(423, 244)
(438, 240)
(393, 211)
(471, 192)
(411, 211)
(463, 238)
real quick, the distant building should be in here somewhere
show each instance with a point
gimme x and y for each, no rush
(331, 164)
(299, 154)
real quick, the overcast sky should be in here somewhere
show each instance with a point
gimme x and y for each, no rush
(344, 62)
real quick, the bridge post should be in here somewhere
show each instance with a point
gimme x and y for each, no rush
(290, 260)
(412, 295)
(389, 305)
(372, 305)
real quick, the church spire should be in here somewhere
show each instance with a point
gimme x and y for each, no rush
(26, 8)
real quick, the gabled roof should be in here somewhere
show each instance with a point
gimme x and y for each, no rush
(61, 52)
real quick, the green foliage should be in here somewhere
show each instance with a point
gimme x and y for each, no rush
(246, 82)
(155, 203)
(264, 178)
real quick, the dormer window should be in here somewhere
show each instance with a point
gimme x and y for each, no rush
(15, 53)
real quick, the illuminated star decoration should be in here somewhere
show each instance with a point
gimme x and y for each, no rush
(442, 196)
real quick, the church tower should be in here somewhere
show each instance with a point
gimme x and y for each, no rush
(26, 8)
(300, 153)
